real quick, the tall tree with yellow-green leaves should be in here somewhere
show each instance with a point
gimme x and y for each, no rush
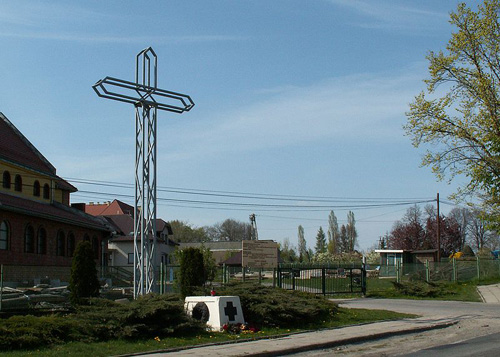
(460, 123)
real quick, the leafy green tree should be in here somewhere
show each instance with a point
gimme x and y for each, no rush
(192, 270)
(333, 234)
(462, 122)
(344, 240)
(287, 252)
(301, 246)
(209, 264)
(185, 232)
(320, 241)
(83, 283)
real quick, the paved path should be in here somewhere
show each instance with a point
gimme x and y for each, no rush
(490, 293)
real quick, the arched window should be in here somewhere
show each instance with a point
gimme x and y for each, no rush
(6, 179)
(18, 183)
(46, 191)
(29, 239)
(4, 235)
(71, 244)
(60, 243)
(36, 189)
(95, 247)
(42, 241)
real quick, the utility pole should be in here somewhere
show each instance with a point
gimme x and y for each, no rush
(438, 230)
(253, 222)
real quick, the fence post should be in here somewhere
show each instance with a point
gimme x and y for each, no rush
(454, 263)
(1, 285)
(477, 265)
(323, 281)
(427, 272)
(260, 276)
(160, 279)
(363, 277)
(274, 277)
(398, 271)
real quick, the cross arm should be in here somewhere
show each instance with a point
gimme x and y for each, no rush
(130, 92)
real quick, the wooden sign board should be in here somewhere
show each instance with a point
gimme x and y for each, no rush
(259, 254)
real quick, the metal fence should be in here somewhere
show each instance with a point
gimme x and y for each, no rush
(454, 270)
(326, 279)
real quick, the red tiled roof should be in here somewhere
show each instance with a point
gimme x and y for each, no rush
(109, 209)
(17, 149)
(55, 212)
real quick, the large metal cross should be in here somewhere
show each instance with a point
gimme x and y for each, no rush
(147, 99)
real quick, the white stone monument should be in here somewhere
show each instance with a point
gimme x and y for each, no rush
(215, 310)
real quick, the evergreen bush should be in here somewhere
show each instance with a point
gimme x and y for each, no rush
(83, 282)
(275, 307)
(192, 270)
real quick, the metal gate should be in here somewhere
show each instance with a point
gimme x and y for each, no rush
(323, 279)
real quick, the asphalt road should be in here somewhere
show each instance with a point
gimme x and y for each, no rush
(488, 345)
(477, 332)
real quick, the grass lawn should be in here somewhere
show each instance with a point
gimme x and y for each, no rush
(459, 291)
(343, 317)
(384, 288)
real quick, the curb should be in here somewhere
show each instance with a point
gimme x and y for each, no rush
(350, 340)
(309, 347)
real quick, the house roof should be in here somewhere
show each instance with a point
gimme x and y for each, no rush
(123, 225)
(109, 208)
(17, 149)
(214, 246)
(54, 211)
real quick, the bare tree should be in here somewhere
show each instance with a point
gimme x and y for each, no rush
(463, 218)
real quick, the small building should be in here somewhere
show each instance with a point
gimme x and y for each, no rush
(120, 217)
(221, 251)
(391, 257)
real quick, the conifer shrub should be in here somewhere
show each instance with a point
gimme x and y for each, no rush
(101, 320)
(83, 283)
(275, 307)
(192, 270)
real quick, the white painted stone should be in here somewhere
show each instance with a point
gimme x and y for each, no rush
(222, 309)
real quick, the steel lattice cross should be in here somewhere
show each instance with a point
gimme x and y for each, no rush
(147, 99)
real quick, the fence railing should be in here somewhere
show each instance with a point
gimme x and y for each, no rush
(453, 270)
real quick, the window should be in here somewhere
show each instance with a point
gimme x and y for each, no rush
(4, 236)
(36, 189)
(29, 239)
(6, 179)
(42, 241)
(131, 258)
(46, 191)
(71, 244)
(18, 183)
(60, 244)
(95, 247)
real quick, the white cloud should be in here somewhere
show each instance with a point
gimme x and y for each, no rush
(361, 107)
(391, 15)
(99, 38)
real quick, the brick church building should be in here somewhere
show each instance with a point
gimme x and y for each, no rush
(38, 227)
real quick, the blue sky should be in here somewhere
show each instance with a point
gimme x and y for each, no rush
(293, 98)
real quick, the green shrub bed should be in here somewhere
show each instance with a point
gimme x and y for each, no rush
(100, 320)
